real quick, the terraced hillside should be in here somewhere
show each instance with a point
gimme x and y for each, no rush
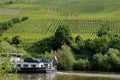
(84, 17)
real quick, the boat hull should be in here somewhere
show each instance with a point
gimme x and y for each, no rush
(36, 70)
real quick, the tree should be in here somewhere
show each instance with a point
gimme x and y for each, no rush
(89, 46)
(100, 62)
(101, 44)
(82, 64)
(115, 42)
(10, 2)
(80, 42)
(41, 46)
(109, 61)
(15, 20)
(6, 69)
(113, 56)
(24, 18)
(5, 64)
(66, 58)
(0, 34)
(103, 30)
(62, 35)
(16, 40)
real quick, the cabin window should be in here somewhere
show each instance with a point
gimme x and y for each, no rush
(33, 66)
(25, 66)
(18, 65)
(42, 66)
(46, 65)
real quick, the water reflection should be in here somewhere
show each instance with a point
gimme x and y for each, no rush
(59, 76)
(37, 76)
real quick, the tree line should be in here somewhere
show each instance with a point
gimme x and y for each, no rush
(101, 53)
(6, 25)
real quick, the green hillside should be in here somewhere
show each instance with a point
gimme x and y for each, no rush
(84, 17)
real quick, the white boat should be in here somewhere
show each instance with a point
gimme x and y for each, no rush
(33, 65)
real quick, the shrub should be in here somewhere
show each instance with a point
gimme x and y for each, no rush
(5, 67)
(82, 64)
(100, 62)
(107, 62)
(10, 2)
(16, 40)
(113, 56)
(15, 20)
(24, 18)
(66, 58)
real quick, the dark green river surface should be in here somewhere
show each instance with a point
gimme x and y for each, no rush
(69, 76)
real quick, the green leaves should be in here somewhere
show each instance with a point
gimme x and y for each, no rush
(109, 61)
(66, 58)
(5, 68)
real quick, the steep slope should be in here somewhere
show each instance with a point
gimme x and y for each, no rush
(82, 16)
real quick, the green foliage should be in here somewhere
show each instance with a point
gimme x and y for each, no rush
(107, 62)
(114, 59)
(5, 25)
(49, 55)
(16, 40)
(103, 30)
(41, 46)
(0, 34)
(72, 13)
(80, 43)
(100, 62)
(24, 18)
(115, 42)
(5, 67)
(82, 64)
(62, 36)
(89, 46)
(66, 58)
(6, 47)
(101, 44)
(22, 51)
(15, 20)
(83, 17)
(10, 2)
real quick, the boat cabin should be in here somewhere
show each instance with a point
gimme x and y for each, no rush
(16, 57)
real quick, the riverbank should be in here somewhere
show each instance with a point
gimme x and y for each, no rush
(91, 74)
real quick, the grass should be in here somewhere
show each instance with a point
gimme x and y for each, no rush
(84, 17)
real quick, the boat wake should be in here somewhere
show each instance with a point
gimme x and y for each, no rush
(115, 76)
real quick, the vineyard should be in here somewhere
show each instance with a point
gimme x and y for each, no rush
(84, 17)
(86, 28)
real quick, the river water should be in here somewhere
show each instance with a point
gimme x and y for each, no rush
(69, 76)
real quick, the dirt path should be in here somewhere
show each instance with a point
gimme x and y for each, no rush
(9, 11)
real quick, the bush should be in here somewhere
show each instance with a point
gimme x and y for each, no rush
(82, 64)
(5, 67)
(104, 30)
(10, 2)
(15, 20)
(107, 62)
(16, 40)
(100, 62)
(66, 59)
(24, 18)
(0, 34)
(114, 59)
